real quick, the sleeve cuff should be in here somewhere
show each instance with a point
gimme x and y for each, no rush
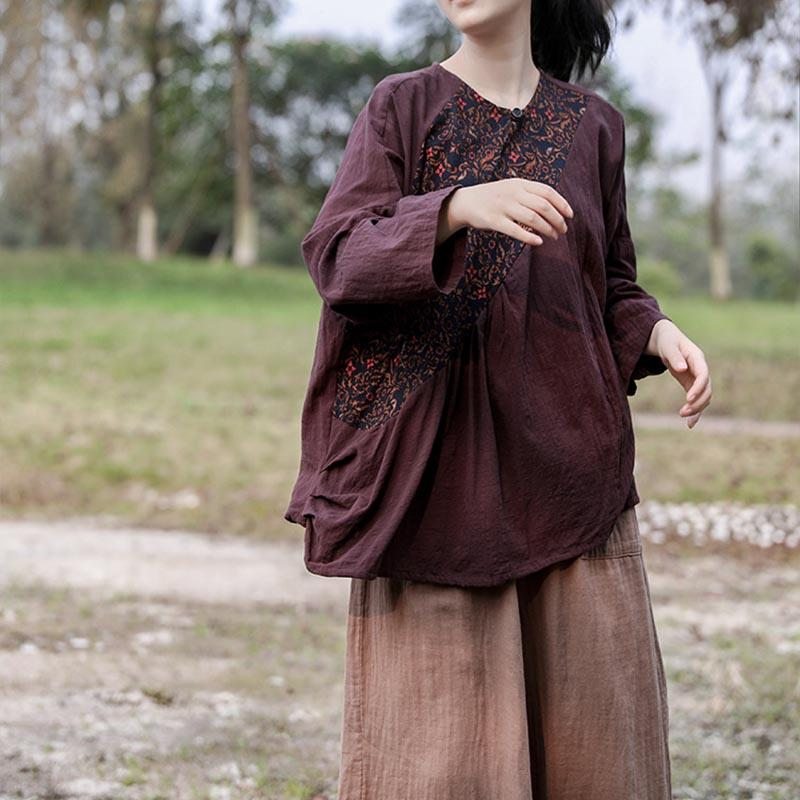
(634, 363)
(444, 263)
(449, 262)
(395, 258)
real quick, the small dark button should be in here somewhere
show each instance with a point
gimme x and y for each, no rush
(517, 112)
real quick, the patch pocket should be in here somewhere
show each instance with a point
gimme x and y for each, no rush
(624, 540)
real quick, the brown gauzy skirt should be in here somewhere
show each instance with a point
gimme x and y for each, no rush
(548, 687)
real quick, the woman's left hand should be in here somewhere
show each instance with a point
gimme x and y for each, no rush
(687, 363)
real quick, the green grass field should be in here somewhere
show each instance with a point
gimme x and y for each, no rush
(169, 394)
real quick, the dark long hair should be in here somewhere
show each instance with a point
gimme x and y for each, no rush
(569, 35)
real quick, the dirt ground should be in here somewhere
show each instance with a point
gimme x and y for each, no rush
(146, 665)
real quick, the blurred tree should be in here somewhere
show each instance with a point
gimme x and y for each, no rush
(70, 73)
(153, 31)
(775, 273)
(659, 277)
(245, 19)
(194, 190)
(313, 89)
(105, 64)
(669, 228)
(120, 124)
(149, 27)
(34, 91)
(762, 36)
(763, 205)
(427, 33)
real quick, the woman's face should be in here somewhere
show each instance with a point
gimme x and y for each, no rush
(475, 17)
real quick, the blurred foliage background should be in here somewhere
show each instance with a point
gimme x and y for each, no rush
(163, 127)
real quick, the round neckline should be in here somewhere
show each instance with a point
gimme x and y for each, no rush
(502, 109)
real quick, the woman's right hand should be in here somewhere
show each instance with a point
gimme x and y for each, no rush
(519, 207)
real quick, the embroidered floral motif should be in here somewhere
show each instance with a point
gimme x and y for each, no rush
(471, 141)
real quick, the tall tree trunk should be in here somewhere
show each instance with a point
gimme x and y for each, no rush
(147, 220)
(719, 264)
(46, 99)
(245, 222)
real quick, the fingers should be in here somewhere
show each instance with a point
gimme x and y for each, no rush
(541, 207)
(700, 386)
(698, 400)
(548, 193)
(530, 211)
(698, 403)
(697, 363)
(539, 213)
(692, 412)
(692, 421)
(518, 231)
(686, 360)
(677, 362)
(699, 392)
(540, 222)
(688, 364)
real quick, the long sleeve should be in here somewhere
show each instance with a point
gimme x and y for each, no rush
(630, 312)
(371, 244)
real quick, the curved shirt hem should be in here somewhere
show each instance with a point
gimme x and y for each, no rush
(333, 570)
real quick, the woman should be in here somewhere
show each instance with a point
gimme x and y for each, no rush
(467, 447)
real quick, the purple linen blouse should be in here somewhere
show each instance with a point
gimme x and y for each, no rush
(466, 419)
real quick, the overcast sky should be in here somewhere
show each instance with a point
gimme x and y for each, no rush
(656, 57)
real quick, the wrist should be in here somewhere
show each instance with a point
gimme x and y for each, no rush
(456, 210)
(652, 348)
